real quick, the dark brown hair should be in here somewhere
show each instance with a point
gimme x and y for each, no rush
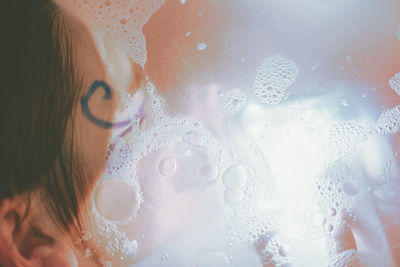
(40, 90)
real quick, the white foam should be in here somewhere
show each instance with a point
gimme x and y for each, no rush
(123, 20)
(394, 82)
(274, 76)
(233, 101)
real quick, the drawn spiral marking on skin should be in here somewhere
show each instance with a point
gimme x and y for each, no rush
(86, 110)
(85, 104)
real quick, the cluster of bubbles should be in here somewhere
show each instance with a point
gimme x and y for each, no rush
(188, 141)
(274, 76)
(123, 20)
(187, 156)
(338, 189)
(233, 101)
(394, 82)
(389, 121)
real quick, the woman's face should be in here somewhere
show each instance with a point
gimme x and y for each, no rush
(47, 244)
(92, 139)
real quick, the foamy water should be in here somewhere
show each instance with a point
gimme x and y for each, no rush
(269, 134)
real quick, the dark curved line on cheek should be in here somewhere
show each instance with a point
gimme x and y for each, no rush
(85, 104)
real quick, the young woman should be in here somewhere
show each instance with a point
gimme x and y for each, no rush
(56, 107)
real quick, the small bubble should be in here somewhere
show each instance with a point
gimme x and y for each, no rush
(330, 228)
(183, 1)
(214, 259)
(232, 196)
(188, 33)
(121, 206)
(332, 212)
(201, 46)
(207, 172)
(167, 166)
(283, 250)
(192, 138)
(234, 177)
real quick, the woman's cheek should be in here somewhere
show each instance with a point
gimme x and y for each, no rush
(92, 140)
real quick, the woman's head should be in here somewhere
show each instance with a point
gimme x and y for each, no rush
(52, 153)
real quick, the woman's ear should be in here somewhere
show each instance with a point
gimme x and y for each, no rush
(23, 241)
(12, 212)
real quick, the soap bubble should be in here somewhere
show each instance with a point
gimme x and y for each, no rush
(207, 172)
(167, 166)
(235, 177)
(233, 196)
(214, 259)
(121, 206)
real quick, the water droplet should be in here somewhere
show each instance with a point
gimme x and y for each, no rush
(207, 172)
(183, 1)
(167, 166)
(232, 196)
(234, 177)
(188, 33)
(319, 219)
(192, 138)
(214, 259)
(201, 46)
